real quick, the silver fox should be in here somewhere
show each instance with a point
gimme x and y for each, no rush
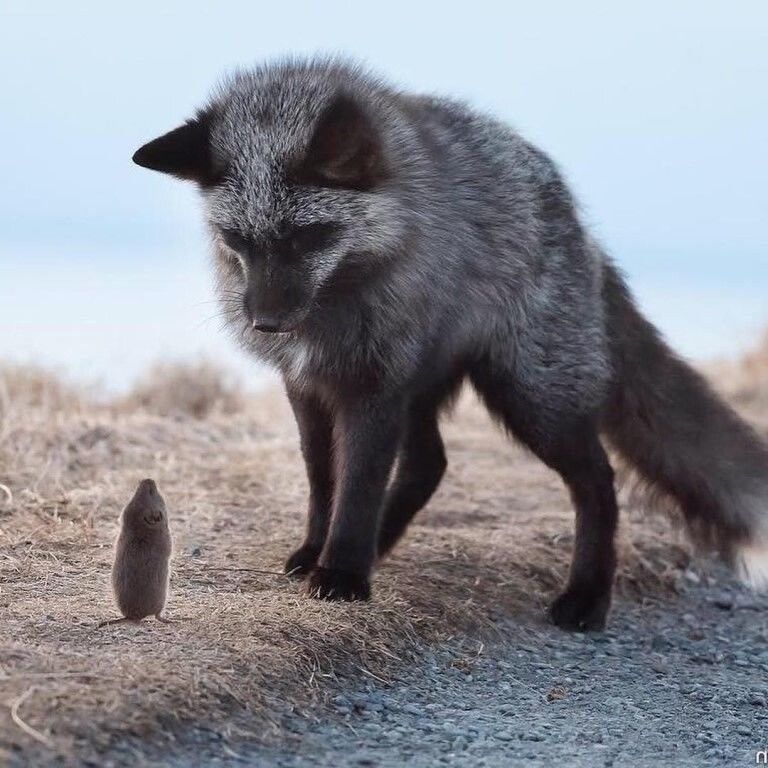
(380, 248)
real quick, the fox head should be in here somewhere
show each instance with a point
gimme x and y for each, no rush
(296, 164)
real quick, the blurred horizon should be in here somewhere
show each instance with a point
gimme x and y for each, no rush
(656, 115)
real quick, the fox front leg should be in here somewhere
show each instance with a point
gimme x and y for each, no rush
(368, 436)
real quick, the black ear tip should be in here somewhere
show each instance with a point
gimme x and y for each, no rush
(183, 152)
(141, 156)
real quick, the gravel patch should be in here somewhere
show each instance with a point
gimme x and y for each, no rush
(680, 682)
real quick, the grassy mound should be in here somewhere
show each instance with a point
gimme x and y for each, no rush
(494, 542)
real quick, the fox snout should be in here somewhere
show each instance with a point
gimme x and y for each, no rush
(276, 304)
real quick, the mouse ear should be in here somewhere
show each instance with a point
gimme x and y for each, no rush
(345, 149)
(184, 152)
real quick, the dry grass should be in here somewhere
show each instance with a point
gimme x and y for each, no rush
(194, 390)
(745, 381)
(494, 542)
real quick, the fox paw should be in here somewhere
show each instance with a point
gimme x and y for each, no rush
(580, 609)
(332, 584)
(302, 561)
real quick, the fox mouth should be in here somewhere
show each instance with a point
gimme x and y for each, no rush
(278, 328)
(273, 331)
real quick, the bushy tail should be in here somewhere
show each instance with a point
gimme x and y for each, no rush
(684, 441)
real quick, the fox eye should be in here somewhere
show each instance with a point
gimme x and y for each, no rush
(234, 240)
(295, 243)
(309, 238)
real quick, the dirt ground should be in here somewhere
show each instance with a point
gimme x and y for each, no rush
(250, 669)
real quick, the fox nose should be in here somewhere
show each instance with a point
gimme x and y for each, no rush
(264, 319)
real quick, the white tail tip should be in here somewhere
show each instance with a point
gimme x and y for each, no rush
(752, 565)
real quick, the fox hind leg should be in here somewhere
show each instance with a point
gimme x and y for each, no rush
(569, 445)
(585, 602)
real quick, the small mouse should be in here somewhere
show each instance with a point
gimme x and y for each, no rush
(142, 555)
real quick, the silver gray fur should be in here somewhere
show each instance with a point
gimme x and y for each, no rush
(465, 258)
(474, 264)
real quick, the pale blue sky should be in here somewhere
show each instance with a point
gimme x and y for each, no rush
(658, 116)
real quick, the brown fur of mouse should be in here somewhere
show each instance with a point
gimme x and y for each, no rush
(142, 555)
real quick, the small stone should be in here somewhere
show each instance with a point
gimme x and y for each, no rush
(723, 602)
(556, 693)
(747, 604)
(659, 666)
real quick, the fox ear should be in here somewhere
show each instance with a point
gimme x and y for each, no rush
(184, 152)
(345, 149)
